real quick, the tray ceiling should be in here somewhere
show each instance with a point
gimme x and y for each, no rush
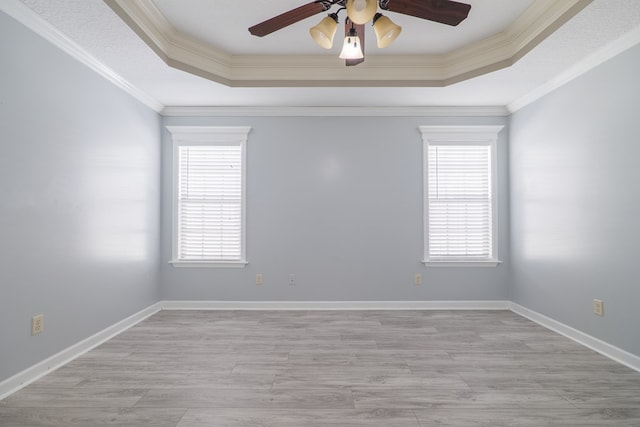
(209, 39)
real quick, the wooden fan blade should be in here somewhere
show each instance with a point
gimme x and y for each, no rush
(443, 11)
(285, 19)
(360, 31)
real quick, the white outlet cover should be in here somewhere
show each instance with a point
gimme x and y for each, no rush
(37, 324)
(598, 307)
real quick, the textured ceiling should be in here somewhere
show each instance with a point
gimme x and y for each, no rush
(97, 29)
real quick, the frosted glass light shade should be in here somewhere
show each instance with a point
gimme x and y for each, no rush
(324, 32)
(351, 48)
(386, 30)
(361, 11)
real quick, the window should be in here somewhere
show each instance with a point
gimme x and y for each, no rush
(209, 196)
(460, 195)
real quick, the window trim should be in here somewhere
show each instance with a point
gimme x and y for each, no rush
(208, 135)
(461, 135)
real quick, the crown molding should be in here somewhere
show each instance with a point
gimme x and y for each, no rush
(249, 111)
(615, 48)
(30, 19)
(534, 17)
(499, 51)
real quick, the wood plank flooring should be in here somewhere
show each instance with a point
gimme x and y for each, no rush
(332, 368)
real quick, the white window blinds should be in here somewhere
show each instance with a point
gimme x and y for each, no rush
(209, 176)
(459, 194)
(210, 203)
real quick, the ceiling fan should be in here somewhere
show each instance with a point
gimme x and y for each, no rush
(359, 12)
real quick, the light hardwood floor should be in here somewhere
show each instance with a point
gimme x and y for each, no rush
(333, 368)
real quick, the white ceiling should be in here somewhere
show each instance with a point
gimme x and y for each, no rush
(99, 31)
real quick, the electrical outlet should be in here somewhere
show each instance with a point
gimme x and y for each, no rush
(37, 324)
(598, 307)
(292, 279)
(259, 279)
(417, 280)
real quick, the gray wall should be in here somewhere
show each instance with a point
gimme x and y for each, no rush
(79, 198)
(336, 201)
(575, 202)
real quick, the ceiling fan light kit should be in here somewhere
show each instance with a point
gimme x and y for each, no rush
(352, 48)
(360, 12)
(386, 31)
(324, 32)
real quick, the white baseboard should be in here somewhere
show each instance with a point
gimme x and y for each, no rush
(334, 305)
(612, 352)
(37, 371)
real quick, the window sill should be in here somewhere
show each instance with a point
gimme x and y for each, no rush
(461, 263)
(209, 264)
